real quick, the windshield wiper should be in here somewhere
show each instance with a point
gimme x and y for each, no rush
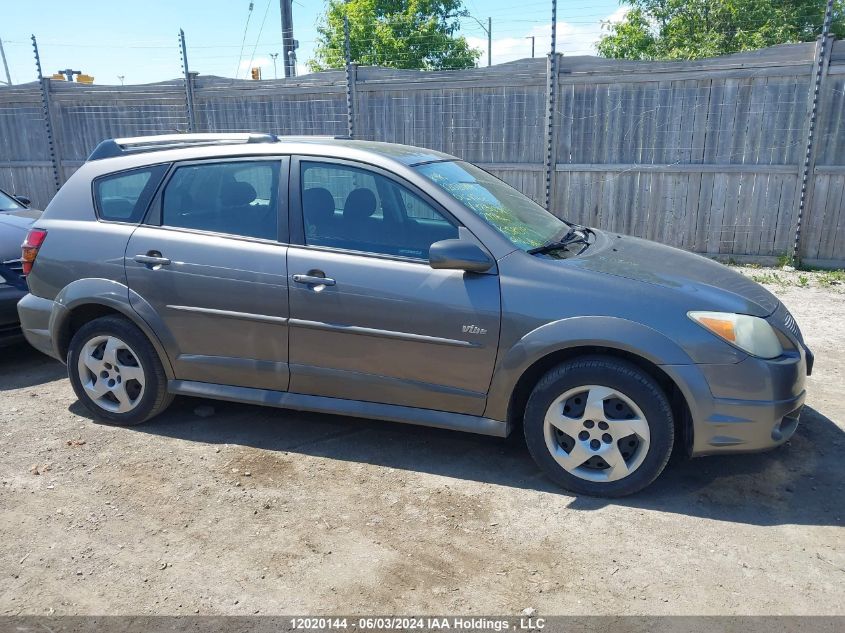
(576, 234)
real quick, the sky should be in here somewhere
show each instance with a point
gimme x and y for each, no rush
(136, 42)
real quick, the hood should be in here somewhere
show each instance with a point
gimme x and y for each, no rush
(13, 228)
(709, 285)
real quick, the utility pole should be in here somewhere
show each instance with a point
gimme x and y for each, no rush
(121, 77)
(289, 45)
(489, 41)
(273, 56)
(531, 37)
(487, 29)
(5, 64)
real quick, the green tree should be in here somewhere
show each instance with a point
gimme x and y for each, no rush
(394, 33)
(690, 29)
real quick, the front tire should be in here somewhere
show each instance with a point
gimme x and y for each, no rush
(116, 373)
(599, 426)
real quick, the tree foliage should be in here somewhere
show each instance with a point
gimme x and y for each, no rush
(394, 33)
(690, 29)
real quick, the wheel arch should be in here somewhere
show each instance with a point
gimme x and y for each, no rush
(87, 299)
(538, 351)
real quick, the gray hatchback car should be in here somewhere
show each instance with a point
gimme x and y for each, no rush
(399, 283)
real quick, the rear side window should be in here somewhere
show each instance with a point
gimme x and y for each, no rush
(237, 198)
(124, 197)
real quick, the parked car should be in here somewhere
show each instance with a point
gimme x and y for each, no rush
(15, 219)
(399, 283)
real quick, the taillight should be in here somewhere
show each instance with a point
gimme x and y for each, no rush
(29, 248)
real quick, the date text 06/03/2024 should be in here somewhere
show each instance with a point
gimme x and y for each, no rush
(431, 623)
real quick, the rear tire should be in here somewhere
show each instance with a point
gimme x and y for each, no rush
(116, 372)
(599, 426)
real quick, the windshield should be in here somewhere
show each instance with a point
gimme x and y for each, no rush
(514, 215)
(7, 203)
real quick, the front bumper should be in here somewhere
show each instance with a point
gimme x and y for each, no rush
(749, 406)
(35, 314)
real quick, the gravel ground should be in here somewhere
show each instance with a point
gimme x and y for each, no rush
(250, 510)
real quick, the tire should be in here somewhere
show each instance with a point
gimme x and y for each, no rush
(624, 449)
(130, 389)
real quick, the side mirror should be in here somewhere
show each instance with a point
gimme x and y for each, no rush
(459, 255)
(23, 200)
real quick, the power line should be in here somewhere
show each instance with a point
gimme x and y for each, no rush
(243, 41)
(260, 30)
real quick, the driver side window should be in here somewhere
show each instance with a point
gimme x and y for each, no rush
(354, 209)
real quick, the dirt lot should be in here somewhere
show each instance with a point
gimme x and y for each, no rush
(257, 510)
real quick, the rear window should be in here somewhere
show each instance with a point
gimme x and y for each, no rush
(123, 197)
(7, 203)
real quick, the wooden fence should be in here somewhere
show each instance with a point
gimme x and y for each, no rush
(706, 155)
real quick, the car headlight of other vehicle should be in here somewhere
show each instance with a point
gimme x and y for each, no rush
(749, 333)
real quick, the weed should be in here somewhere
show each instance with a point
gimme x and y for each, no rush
(785, 260)
(770, 278)
(828, 278)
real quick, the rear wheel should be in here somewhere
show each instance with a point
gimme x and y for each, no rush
(116, 372)
(599, 426)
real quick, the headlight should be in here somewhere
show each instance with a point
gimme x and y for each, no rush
(749, 333)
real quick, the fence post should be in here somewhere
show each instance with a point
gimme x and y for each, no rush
(189, 82)
(44, 86)
(807, 179)
(551, 93)
(351, 78)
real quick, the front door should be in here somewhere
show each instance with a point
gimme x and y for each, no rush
(211, 261)
(370, 319)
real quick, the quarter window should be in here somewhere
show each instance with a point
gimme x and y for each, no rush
(355, 209)
(238, 198)
(124, 197)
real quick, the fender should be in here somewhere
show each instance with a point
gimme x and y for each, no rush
(115, 295)
(581, 331)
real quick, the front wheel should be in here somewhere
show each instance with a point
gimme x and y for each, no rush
(599, 426)
(116, 373)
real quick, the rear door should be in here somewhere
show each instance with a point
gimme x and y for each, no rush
(211, 261)
(384, 327)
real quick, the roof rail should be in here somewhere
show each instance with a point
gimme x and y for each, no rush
(314, 137)
(121, 146)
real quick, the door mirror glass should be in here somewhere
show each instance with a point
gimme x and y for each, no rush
(459, 255)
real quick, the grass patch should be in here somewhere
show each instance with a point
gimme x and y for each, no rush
(828, 278)
(785, 260)
(770, 278)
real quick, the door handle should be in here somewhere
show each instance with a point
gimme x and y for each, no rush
(313, 280)
(152, 258)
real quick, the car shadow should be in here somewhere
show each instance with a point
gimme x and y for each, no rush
(798, 483)
(22, 366)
